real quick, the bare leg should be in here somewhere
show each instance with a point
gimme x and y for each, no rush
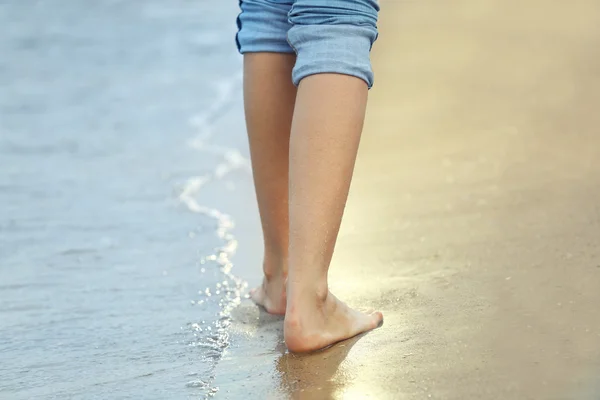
(326, 129)
(269, 97)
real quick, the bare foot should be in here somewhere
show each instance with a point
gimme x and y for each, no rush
(271, 295)
(314, 325)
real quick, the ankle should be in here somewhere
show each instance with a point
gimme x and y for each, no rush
(274, 276)
(274, 267)
(306, 298)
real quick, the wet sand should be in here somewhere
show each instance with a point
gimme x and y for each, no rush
(473, 221)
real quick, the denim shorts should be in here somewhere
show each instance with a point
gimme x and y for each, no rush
(328, 36)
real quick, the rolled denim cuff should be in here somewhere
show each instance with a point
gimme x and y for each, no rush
(340, 49)
(262, 26)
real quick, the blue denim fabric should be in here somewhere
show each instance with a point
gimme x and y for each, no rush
(332, 36)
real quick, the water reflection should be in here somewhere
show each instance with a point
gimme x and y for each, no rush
(319, 375)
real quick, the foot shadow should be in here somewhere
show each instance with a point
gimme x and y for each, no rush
(314, 375)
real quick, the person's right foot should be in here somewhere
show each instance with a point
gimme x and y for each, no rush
(312, 325)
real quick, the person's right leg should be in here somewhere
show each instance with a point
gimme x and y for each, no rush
(325, 134)
(332, 39)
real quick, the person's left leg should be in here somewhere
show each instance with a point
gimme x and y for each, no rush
(269, 97)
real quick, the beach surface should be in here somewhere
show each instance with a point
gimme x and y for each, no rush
(473, 221)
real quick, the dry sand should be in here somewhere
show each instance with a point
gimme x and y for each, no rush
(473, 221)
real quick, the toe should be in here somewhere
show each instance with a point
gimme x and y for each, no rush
(256, 296)
(377, 319)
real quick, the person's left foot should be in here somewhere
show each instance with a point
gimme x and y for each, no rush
(271, 295)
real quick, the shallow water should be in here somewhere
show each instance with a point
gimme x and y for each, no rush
(121, 147)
